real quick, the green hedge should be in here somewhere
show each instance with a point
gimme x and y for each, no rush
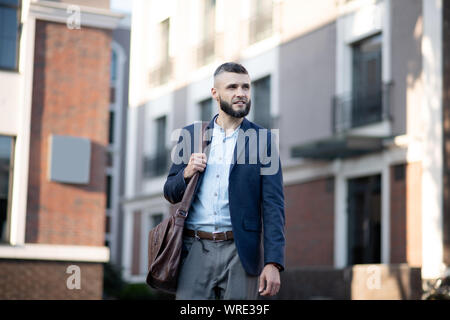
(114, 287)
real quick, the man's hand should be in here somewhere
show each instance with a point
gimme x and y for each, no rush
(270, 277)
(197, 162)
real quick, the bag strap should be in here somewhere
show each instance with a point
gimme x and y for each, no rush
(189, 192)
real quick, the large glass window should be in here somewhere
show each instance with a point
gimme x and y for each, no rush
(206, 109)
(9, 33)
(157, 163)
(6, 169)
(261, 102)
(367, 89)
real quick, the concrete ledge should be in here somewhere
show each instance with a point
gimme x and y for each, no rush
(358, 282)
(55, 252)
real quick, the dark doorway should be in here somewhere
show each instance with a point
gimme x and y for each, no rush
(364, 220)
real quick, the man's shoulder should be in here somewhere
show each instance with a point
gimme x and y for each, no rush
(257, 128)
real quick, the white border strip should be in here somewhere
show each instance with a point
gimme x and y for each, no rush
(55, 252)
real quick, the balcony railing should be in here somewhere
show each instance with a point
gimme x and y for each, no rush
(356, 110)
(161, 74)
(206, 51)
(261, 26)
(156, 165)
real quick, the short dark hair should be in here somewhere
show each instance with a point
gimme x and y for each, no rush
(230, 67)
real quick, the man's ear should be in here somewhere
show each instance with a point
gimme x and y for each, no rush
(214, 93)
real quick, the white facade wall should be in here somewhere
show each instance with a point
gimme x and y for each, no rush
(354, 20)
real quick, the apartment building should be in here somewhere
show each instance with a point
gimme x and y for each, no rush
(358, 92)
(54, 107)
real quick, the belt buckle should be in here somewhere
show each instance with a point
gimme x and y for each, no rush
(217, 232)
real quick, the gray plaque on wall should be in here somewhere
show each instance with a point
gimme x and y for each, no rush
(70, 159)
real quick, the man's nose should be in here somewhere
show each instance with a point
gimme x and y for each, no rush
(241, 92)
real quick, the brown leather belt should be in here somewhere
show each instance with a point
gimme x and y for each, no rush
(216, 236)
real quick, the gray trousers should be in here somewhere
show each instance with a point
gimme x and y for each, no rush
(212, 270)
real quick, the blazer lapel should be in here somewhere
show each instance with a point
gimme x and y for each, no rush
(241, 145)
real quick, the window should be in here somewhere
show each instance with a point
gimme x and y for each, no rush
(111, 127)
(112, 95)
(113, 77)
(9, 34)
(156, 219)
(157, 164)
(161, 135)
(205, 52)
(165, 31)
(261, 102)
(6, 170)
(109, 158)
(366, 87)
(206, 109)
(364, 220)
(113, 66)
(108, 191)
(162, 72)
(261, 21)
(108, 224)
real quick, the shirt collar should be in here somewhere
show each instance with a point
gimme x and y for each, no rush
(219, 130)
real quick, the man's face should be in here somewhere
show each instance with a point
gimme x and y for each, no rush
(232, 91)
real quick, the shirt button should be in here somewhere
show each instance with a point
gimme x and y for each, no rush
(217, 176)
(215, 194)
(215, 213)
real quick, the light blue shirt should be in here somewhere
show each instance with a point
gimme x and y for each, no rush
(210, 210)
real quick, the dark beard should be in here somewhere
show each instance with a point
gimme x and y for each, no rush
(226, 107)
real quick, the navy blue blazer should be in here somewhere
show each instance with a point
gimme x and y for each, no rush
(256, 201)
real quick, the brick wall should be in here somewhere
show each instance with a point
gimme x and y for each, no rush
(309, 209)
(28, 279)
(406, 225)
(358, 282)
(70, 97)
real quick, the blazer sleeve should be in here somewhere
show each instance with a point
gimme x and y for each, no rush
(175, 184)
(273, 209)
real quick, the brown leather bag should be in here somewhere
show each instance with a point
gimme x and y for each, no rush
(166, 239)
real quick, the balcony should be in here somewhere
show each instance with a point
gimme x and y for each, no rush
(161, 74)
(156, 165)
(349, 112)
(363, 108)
